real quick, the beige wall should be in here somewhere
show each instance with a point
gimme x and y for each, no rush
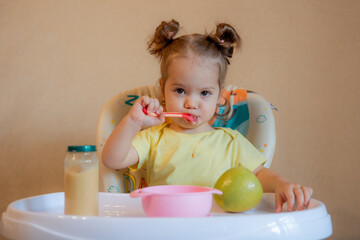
(61, 60)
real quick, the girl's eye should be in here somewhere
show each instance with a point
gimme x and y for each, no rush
(205, 93)
(179, 91)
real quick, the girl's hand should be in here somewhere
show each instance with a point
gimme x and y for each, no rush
(290, 192)
(153, 106)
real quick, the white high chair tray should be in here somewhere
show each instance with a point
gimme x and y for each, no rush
(122, 217)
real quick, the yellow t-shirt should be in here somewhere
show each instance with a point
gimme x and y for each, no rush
(172, 158)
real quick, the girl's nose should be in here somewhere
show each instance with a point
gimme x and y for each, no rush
(190, 103)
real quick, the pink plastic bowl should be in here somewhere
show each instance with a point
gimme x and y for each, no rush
(176, 200)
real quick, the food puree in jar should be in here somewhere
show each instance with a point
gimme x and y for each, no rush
(81, 185)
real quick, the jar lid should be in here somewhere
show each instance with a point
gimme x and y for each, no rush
(84, 148)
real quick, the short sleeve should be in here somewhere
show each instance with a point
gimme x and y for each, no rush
(247, 155)
(142, 143)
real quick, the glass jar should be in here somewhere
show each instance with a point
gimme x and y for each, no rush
(81, 181)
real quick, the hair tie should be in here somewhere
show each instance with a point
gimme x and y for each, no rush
(219, 40)
(170, 35)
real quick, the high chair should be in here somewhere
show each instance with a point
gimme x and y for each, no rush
(122, 217)
(243, 110)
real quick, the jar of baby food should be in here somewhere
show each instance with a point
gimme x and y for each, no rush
(81, 181)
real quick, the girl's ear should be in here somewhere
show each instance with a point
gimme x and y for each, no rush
(220, 94)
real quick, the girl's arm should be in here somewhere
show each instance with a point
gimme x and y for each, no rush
(118, 153)
(285, 191)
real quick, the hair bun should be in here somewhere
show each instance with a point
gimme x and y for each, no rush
(163, 36)
(226, 39)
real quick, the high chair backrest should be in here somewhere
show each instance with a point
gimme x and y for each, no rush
(243, 110)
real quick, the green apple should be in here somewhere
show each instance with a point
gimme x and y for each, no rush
(241, 189)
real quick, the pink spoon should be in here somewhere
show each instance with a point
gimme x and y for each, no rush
(187, 116)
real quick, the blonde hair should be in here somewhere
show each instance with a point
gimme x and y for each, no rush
(218, 45)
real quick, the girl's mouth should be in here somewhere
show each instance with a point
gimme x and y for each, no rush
(193, 119)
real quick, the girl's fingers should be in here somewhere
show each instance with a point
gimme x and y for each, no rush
(158, 107)
(293, 194)
(308, 191)
(162, 118)
(159, 110)
(150, 106)
(278, 202)
(156, 103)
(299, 197)
(144, 100)
(290, 198)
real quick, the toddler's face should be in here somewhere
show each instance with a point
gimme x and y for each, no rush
(192, 87)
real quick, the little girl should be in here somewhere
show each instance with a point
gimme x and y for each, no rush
(183, 152)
